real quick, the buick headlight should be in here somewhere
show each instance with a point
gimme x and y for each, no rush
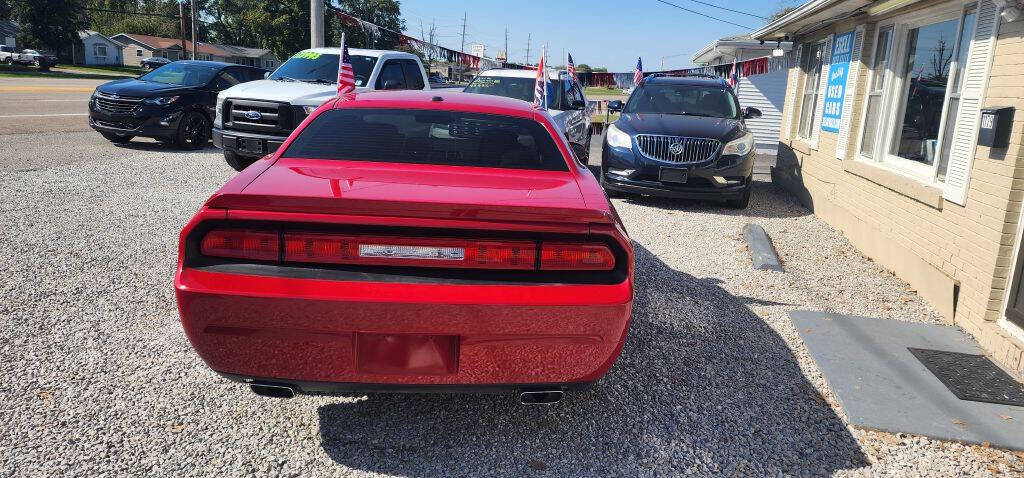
(739, 146)
(162, 101)
(619, 139)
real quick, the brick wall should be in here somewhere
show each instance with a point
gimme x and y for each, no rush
(946, 251)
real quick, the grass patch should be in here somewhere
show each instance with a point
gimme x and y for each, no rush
(600, 90)
(18, 71)
(600, 118)
(101, 69)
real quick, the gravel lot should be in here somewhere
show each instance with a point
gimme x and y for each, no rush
(100, 380)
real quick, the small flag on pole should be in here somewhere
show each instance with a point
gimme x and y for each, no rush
(638, 74)
(540, 84)
(734, 75)
(569, 65)
(346, 80)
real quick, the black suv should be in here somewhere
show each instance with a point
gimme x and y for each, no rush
(173, 103)
(680, 137)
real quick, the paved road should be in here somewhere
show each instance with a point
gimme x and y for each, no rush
(38, 105)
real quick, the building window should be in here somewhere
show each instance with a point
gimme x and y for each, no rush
(138, 52)
(99, 51)
(811, 66)
(914, 93)
(270, 63)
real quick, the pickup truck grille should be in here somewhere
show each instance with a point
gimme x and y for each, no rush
(116, 104)
(677, 149)
(259, 116)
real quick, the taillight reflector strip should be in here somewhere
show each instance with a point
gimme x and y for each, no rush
(558, 256)
(241, 244)
(404, 251)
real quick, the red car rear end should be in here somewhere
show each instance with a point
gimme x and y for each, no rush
(408, 241)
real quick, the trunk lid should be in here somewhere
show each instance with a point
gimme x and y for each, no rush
(415, 191)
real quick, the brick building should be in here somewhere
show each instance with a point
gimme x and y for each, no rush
(881, 138)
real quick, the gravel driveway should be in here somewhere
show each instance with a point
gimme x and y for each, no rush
(100, 380)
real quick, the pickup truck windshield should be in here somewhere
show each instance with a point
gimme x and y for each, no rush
(510, 87)
(181, 73)
(689, 100)
(428, 137)
(314, 67)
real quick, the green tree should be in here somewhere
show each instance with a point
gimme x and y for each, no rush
(5, 9)
(43, 27)
(383, 13)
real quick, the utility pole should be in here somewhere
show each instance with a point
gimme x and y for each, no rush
(506, 44)
(462, 68)
(195, 31)
(181, 17)
(527, 49)
(316, 23)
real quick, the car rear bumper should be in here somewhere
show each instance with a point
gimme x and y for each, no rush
(228, 140)
(330, 336)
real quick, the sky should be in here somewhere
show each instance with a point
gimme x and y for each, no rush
(596, 32)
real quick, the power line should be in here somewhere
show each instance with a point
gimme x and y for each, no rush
(729, 9)
(704, 14)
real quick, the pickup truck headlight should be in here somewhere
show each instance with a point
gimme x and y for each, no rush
(161, 101)
(617, 138)
(739, 146)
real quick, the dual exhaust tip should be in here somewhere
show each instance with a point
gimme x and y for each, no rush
(531, 397)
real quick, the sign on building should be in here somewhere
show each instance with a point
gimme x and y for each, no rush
(835, 91)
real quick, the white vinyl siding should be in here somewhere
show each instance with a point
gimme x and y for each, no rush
(961, 154)
(766, 92)
(849, 94)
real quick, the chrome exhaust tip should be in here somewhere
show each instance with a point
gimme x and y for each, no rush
(273, 391)
(541, 397)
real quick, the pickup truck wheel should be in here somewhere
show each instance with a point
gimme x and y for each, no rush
(117, 138)
(35, 62)
(8, 61)
(193, 131)
(237, 162)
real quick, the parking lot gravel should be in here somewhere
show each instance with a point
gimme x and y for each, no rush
(101, 381)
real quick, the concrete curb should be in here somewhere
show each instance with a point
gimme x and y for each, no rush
(762, 252)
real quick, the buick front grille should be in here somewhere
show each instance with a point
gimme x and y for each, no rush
(116, 104)
(677, 149)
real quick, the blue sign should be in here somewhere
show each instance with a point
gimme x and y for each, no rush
(835, 90)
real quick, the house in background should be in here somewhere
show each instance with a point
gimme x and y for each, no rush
(885, 136)
(766, 92)
(95, 48)
(138, 47)
(9, 32)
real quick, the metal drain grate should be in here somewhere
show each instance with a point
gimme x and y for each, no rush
(972, 377)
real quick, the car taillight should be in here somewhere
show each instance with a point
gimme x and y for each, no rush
(241, 244)
(573, 256)
(403, 251)
(377, 250)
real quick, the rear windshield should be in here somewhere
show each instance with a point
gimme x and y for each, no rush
(428, 137)
(512, 87)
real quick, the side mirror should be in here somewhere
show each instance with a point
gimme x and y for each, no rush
(615, 105)
(266, 74)
(751, 112)
(391, 85)
(578, 105)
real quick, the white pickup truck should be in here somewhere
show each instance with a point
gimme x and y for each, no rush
(254, 118)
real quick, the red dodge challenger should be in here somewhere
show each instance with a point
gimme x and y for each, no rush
(410, 241)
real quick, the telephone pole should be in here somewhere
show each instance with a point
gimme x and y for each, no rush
(181, 17)
(527, 49)
(506, 44)
(195, 31)
(463, 48)
(316, 23)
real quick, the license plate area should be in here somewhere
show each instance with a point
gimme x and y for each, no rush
(673, 175)
(407, 354)
(249, 145)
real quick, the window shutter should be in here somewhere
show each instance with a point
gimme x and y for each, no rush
(819, 106)
(965, 132)
(792, 82)
(849, 93)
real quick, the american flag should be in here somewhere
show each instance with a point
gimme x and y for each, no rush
(540, 84)
(569, 65)
(346, 80)
(734, 76)
(638, 74)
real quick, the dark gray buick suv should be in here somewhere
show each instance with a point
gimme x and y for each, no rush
(680, 137)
